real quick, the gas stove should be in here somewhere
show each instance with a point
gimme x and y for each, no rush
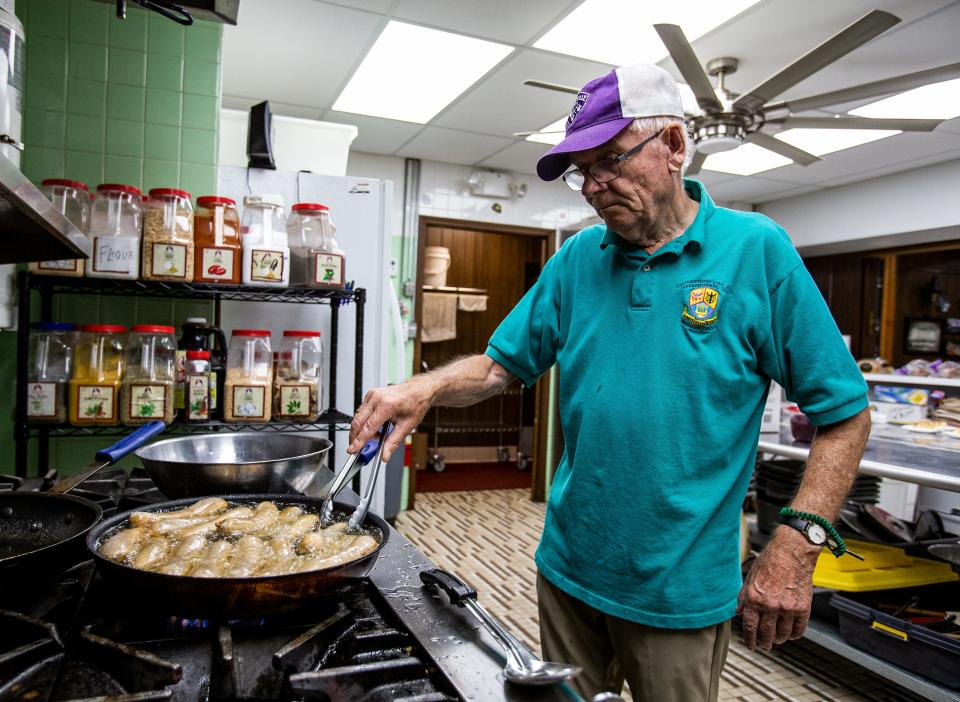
(385, 638)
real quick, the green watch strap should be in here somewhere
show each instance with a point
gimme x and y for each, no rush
(834, 541)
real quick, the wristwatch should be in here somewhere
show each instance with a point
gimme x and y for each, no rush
(813, 532)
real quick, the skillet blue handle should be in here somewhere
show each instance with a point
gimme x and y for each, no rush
(114, 453)
(370, 449)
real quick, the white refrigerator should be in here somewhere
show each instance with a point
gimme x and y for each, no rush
(360, 209)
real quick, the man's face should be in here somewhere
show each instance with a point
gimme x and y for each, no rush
(643, 188)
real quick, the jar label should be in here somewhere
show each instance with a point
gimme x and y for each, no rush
(147, 401)
(116, 254)
(266, 265)
(42, 400)
(181, 375)
(65, 266)
(217, 263)
(213, 390)
(199, 409)
(294, 400)
(95, 402)
(248, 401)
(328, 269)
(169, 261)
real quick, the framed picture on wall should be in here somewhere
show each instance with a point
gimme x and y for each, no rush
(922, 335)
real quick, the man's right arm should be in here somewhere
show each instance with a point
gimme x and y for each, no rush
(458, 384)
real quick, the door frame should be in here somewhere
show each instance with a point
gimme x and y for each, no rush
(538, 488)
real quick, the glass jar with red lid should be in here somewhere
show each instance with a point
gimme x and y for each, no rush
(97, 372)
(168, 236)
(72, 199)
(115, 225)
(216, 236)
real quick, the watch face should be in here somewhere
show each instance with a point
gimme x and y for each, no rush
(817, 534)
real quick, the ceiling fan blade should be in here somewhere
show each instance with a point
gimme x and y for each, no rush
(887, 86)
(834, 48)
(551, 86)
(689, 66)
(524, 135)
(696, 163)
(804, 158)
(903, 125)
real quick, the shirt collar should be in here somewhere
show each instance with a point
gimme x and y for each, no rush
(694, 234)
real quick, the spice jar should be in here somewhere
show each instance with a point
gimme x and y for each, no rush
(168, 236)
(72, 199)
(146, 393)
(248, 387)
(297, 389)
(266, 255)
(97, 371)
(48, 372)
(316, 260)
(196, 336)
(115, 232)
(216, 236)
(197, 383)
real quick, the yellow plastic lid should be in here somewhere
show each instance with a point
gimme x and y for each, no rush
(883, 568)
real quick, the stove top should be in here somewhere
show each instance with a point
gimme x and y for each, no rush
(385, 638)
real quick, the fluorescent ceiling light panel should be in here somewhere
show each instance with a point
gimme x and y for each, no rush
(745, 160)
(934, 101)
(825, 141)
(551, 134)
(411, 72)
(620, 32)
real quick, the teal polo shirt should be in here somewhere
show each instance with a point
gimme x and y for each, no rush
(665, 361)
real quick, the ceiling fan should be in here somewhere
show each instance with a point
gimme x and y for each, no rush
(727, 120)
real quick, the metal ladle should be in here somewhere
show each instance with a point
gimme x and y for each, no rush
(522, 668)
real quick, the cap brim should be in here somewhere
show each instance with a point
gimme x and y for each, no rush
(552, 164)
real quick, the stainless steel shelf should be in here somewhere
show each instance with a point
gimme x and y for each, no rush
(827, 635)
(913, 381)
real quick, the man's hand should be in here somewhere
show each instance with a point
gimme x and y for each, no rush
(405, 405)
(776, 596)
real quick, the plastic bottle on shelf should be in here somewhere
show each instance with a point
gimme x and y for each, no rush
(266, 255)
(216, 235)
(195, 336)
(316, 259)
(197, 386)
(248, 392)
(146, 392)
(48, 372)
(297, 391)
(97, 372)
(115, 226)
(72, 200)
(168, 236)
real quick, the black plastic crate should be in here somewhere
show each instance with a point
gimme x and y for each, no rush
(912, 646)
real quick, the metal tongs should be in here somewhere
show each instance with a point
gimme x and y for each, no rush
(372, 449)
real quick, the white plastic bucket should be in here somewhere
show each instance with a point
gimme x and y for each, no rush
(435, 265)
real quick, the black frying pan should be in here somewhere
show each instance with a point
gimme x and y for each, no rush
(40, 533)
(253, 596)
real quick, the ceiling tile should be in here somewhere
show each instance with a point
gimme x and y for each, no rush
(499, 20)
(378, 6)
(452, 146)
(501, 104)
(376, 136)
(753, 189)
(295, 51)
(522, 157)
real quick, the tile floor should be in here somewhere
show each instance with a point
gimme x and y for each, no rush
(488, 538)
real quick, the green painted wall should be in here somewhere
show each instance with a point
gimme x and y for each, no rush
(133, 101)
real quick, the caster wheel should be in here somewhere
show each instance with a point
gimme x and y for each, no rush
(438, 464)
(522, 462)
(503, 455)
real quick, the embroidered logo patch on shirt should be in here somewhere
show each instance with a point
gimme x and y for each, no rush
(700, 310)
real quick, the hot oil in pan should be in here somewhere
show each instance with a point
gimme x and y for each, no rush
(289, 542)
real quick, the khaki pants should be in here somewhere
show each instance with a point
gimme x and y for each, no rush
(660, 665)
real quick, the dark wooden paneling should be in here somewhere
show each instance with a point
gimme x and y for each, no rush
(849, 285)
(914, 273)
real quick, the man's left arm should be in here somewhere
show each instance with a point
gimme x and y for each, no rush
(776, 596)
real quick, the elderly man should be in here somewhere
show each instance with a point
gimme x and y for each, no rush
(667, 323)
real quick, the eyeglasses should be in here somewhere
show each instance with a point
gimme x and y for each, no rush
(606, 170)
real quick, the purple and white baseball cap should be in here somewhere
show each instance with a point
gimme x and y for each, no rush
(606, 105)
